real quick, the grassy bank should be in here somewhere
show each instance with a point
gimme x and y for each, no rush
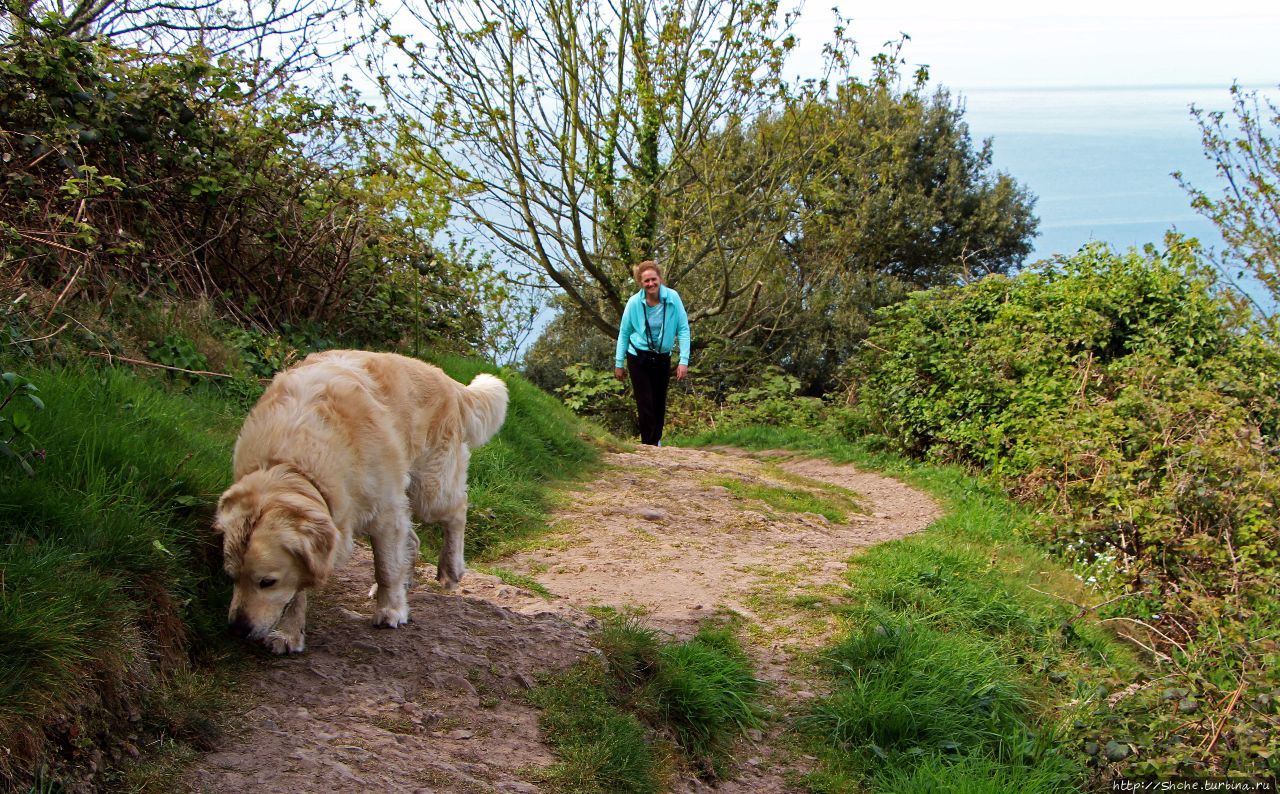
(969, 662)
(623, 721)
(112, 600)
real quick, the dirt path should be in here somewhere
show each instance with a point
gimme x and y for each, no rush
(437, 705)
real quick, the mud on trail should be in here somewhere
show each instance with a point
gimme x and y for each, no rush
(438, 705)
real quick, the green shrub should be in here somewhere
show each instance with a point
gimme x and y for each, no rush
(184, 176)
(179, 352)
(1121, 390)
(598, 395)
(1125, 396)
(18, 399)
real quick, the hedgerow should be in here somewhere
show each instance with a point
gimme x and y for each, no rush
(1137, 405)
(128, 174)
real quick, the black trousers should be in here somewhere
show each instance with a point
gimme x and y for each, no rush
(650, 377)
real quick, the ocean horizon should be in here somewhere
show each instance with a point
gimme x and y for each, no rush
(1100, 159)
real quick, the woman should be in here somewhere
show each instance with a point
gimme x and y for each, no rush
(651, 323)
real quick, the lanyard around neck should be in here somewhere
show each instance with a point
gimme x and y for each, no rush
(648, 329)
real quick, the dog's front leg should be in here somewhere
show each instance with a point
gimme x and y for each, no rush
(450, 567)
(290, 634)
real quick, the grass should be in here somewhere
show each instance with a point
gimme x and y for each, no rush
(603, 717)
(516, 579)
(835, 507)
(705, 691)
(111, 591)
(600, 747)
(109, 569)
(963, 664)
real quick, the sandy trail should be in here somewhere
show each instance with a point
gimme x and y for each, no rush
(438, 706)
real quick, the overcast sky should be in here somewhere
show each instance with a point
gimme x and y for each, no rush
(1021, 44)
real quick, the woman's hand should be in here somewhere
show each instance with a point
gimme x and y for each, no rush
(681, 371)
(619, 373)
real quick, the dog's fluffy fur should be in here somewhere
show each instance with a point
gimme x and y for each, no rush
(348, 442)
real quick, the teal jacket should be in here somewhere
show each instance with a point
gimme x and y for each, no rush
(631, 332)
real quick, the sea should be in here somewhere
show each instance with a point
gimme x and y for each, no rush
(1100, 160)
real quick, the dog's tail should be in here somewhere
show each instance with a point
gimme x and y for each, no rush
(484, 408)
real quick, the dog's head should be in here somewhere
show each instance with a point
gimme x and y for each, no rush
(277, 540)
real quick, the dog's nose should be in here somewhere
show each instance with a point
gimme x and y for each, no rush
(240, 625)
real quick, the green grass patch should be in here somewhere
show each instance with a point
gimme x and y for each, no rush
(790, 500)
(905, 691)
(705, 691)
(516, 579)
(600, 747)
(963, 665)
(110, 570)
(701, 692)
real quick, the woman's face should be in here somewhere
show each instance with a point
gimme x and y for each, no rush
(651, 282)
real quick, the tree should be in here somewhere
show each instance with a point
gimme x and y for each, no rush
(897, 197)
(280, 38)
(1247, 212)
(888, 194)
(582, 137)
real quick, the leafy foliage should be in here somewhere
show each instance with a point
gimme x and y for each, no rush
(596, 393)
(181, 175)
(1127, 397)
(178, 351)
(890, 195)
(16, 443)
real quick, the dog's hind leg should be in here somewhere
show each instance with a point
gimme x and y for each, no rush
(450, 567)
(393, 570)
(412, 546)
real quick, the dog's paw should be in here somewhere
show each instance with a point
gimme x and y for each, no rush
(448, 579)
(390, 618)
(280, 643)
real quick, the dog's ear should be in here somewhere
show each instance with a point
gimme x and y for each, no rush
(313, 542)
(237, 513)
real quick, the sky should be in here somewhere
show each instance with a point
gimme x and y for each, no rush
(1020, 44)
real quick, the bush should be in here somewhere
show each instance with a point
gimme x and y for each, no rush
(1119, 389)
(179, 175)
(1126, 396)
(599, 396)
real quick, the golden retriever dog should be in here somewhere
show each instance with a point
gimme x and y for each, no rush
(348, 442)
